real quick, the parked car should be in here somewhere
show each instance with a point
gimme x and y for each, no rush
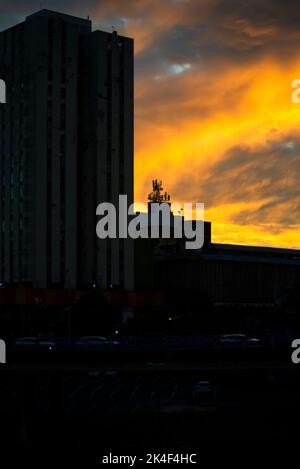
(203, 388)
(94, 343)
(238, 340)
(35, 343)
(26, 343)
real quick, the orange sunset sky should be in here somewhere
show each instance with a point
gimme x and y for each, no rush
(213, 113)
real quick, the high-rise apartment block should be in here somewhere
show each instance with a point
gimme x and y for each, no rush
(66, 144)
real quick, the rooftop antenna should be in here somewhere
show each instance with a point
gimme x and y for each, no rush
(157, 194)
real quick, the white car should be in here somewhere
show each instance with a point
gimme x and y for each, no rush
(94, 342)
(203, 388)
(241, 340)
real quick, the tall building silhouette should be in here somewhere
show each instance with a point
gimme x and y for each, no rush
(66, 143)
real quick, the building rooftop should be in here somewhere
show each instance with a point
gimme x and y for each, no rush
(69, 18)
(264, 250)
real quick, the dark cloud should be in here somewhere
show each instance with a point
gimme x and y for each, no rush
(267, 175)
(192, 31)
